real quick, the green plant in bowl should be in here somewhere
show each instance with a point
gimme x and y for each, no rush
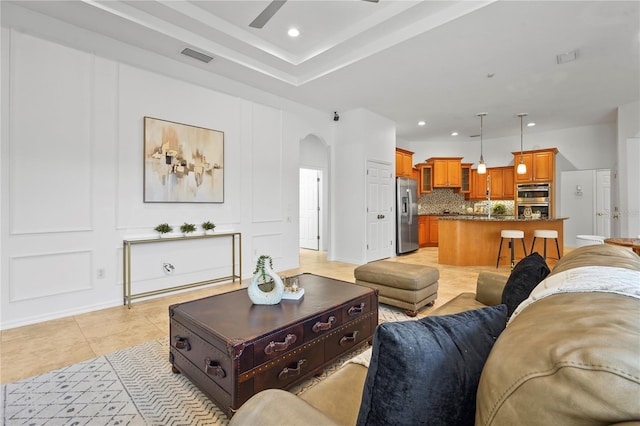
(499, 209)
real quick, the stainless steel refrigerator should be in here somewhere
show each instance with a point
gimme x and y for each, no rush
(406, 215)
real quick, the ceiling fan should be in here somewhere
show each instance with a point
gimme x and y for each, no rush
(271, 10)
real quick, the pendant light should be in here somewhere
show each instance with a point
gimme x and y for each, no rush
(482, 168)
(522, 168)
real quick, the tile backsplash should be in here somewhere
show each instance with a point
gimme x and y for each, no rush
(442, 199)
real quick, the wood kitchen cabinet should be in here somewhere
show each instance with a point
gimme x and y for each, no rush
(540, 165)
(447, 171)
(508, 184)
(465, 182)
(404, 163)
(478, 186)
(423, 231)
(502, 184)
(428, 231)
(496, 182)
(426, 182)
(415, 174)
(433, 231)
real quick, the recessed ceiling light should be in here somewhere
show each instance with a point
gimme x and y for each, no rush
(531, 124)
(422, 123)
(454, 133)
(293, 32)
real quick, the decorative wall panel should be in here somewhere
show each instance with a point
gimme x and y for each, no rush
(42, 275)
(50, 143)
(267, 164)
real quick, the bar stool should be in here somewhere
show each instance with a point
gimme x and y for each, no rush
(545, 233)
(512, 234)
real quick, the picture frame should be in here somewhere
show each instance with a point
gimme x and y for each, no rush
(182, 163)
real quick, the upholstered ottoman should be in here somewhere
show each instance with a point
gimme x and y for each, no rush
(402, 285)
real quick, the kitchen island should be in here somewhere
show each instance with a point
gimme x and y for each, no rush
(475, 240)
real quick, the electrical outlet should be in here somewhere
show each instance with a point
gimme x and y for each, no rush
(101, 273)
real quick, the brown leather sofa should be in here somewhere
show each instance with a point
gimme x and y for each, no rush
(572, 358)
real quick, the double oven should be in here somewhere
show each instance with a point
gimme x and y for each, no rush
(536, 196)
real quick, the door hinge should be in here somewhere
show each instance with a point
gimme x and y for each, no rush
(318, 237)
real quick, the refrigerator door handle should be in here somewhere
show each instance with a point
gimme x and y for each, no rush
(410, 220)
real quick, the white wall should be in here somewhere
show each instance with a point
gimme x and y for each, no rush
(72, 178)
(628, 194)
(588, 147)
(359, 136)
(579, 207)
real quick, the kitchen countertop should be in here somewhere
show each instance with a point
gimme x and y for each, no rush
(497, 218)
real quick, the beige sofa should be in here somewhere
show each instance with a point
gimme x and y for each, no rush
(572, 358)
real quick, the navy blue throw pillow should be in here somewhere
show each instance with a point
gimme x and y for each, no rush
(526, 275)
(426, 372)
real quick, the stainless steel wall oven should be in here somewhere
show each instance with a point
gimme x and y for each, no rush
(536, 196)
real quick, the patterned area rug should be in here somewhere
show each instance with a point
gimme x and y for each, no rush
(134, 386)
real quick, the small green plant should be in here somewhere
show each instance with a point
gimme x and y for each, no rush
(163, 228)
(499, 209)
(187, 228)
(208, 226)
(265, 281)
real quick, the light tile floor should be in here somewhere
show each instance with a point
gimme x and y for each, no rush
(35, 349)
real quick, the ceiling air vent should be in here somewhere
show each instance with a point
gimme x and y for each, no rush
(197, 55)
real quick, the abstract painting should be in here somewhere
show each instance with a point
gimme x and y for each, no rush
(182, 163)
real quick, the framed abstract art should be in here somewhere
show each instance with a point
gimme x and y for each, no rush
(182, 163)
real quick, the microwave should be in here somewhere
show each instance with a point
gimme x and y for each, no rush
(533, 193)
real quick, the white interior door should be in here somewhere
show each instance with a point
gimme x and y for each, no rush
(380, 218)
(603, 203)
(310, 209)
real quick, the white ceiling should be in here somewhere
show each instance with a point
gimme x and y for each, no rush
(405, 60)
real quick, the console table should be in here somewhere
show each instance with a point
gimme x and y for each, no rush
(126, 262)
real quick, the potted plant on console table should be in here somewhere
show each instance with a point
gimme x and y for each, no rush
(162, 229)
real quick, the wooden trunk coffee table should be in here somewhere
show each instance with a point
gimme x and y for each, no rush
(232, 349)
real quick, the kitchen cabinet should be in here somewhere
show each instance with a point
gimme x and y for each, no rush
(478, 186)
(423, 231)
(496, 182)
(447, 171)
(433, 231)
(508, 185)
(465, 182)
(428, 231)
(415, 174)
(540, 165)
(502, 184)
(404, 163)
(425, 178)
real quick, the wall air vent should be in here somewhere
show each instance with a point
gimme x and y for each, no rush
(197, 55)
